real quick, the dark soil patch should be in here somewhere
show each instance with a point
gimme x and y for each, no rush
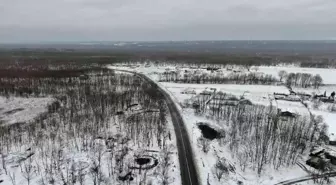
(18, 123)
(287, 114)
(142, 160)
(14, 111)
(245, 102)
(208, 132)
(120, 113)
(317, 163)
(331, 157)
(152, 111)
(127, 177)
(132, 105)
(145, 162)
(52, 108)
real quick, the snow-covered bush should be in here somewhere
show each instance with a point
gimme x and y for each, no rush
(317, 104)
(332, 108)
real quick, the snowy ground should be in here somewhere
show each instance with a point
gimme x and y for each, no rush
(83, 162)
(258, 94)
(17, 110)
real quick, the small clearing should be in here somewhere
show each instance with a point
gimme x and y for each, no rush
(17, 110)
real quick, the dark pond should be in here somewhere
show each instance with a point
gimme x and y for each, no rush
(209, 132)
(142, 160)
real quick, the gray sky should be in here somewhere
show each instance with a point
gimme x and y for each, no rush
(150, 20)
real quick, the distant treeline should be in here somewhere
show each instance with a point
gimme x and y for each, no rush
(26, 58)
(46, 73)
(232, 78)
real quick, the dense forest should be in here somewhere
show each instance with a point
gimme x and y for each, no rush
(68, 56)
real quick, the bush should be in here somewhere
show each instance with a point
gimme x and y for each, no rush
(316, 104)
(332, 108)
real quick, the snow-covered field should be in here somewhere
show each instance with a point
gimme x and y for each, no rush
(256, 93)
(17, 110)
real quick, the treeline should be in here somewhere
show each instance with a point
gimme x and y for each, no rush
(246, 59)
(36, 83)
(47, 73)
(65, 60)
(303, 80)
(232, 78)
(45, 57)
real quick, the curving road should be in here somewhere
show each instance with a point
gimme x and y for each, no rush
(188, 170)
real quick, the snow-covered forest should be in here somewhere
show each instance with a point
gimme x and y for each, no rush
(98, 127)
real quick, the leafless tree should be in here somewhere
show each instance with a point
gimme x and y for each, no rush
(28, 171)
(3, 161)
(165, 165)
(317, 81)
(282, 74)
(204, 144)
(12, 178)
(222, 167)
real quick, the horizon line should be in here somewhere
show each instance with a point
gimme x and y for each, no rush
(163, 41)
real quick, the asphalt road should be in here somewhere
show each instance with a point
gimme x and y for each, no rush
(188, 170)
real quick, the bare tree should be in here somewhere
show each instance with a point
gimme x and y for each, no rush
(317, 81)
(96, 172)
(81, 176)
(165, 165)
(3, 162)
(282, 74)
(12, 178)
(28, 171)
(204, 144)
(222, 167)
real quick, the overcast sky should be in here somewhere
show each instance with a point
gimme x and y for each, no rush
(151, 20)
